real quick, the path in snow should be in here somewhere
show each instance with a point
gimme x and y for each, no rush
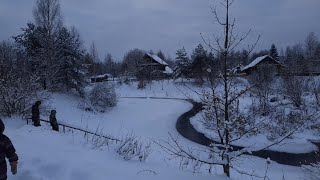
(185, 128)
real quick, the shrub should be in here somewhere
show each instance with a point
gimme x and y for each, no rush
(102, 97)
(131, 148)
(284, 122)
(312, 171)
(17, 94)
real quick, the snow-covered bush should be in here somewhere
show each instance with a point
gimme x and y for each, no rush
(314, 87)
(283, 122)
(260, 107)
(312, 171)
(17, 85)
(102, 97)
(142, 85)
(131, 148)
(262, 82)
(17, 94)
(293, 88)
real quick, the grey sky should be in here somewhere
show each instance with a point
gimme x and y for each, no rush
(117, 26)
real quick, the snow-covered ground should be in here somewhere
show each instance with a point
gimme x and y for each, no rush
(45, 154)
(150, 118)
(165, 88)
(48, 155)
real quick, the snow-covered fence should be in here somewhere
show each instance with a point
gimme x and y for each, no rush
(86, 132)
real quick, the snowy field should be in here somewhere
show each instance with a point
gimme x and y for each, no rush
(165, 89)
(45, 154)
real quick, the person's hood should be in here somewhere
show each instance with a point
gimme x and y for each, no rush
(1, 127)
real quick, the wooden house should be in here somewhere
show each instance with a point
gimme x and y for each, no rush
(100, 78)
(263, 62)
(154, 66)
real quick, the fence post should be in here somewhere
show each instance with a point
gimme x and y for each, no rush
(64, 128)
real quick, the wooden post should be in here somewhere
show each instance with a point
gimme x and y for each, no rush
(64, 129)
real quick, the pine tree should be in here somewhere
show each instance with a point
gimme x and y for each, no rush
(69, 69)
(274, 52)
(30, 41)
(182, 67)
(199, 64)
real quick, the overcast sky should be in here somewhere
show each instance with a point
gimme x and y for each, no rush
(117, 26)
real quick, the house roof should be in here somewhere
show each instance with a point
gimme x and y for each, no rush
(157, 58)
(258, 60)
(102, 76)
(168, 70)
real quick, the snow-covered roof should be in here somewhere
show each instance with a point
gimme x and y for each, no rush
(168, 70)
(257, 61)
(157, 58)
(236, 69)
(102, 76)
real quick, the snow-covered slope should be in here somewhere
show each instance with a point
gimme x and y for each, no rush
(48, 155)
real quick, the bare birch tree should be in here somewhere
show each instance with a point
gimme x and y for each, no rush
(221, 107)
(47, 16)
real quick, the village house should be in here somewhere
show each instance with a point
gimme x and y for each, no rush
(263, 62)
(100, 78)
(154, 67)
(312, 67)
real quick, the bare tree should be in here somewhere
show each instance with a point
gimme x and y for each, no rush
(293, 89)
(312, 46)
(221, 106)
(131, 60)
(262, 80)
(17, 90)
(94, 53)
(47, 15)
(315, 89)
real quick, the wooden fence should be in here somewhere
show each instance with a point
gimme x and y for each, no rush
(86, 132)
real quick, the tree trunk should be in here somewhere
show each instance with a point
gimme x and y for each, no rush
(226, 169)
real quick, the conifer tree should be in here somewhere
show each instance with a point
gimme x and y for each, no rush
(274, 52)
(199, 64)
(182, 67)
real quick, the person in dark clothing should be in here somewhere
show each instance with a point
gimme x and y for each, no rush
(8, 151)
(53, 120)
(36, 114)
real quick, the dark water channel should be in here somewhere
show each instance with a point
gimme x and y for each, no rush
(185, 128)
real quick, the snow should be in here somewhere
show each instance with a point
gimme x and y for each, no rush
(157, 58)
(48, 155)
(130, 115)
(254, 62)
(45, 154)
(102, 76)
(168, 70)
(164, 89)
